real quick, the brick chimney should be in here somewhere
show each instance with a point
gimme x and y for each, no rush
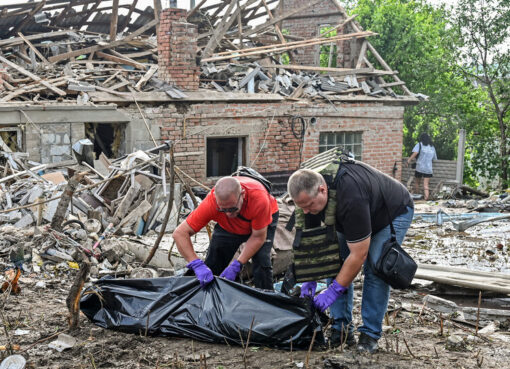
(177, 50)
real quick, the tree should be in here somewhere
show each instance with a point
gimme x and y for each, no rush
(414, 38)
(483, 30)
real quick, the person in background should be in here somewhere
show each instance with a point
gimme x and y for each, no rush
(244, 212)
(424, 153)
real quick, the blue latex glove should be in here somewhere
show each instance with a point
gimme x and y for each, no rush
(308, 289)
(232, 270)
(202, 271)
(323, 300)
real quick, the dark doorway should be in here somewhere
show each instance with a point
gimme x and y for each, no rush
(107, 138)
(224, 155)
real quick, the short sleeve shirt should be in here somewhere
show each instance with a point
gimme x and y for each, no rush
(360, 210)
(425, 158)
(257, 210)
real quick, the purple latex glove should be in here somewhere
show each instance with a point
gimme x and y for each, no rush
(202, 271)
(323, 300)
(308, 289)
(232, 270)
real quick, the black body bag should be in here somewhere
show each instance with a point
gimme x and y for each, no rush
(395, 266)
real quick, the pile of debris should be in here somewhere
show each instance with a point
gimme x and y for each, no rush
(130, 192)
(62, 51)
(254, 78)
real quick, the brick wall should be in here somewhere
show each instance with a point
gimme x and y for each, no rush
(177, 48)
(307, 25)
(268, 132)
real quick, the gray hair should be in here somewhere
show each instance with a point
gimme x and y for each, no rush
(304, 180)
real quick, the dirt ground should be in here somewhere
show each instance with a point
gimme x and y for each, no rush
(414, 337)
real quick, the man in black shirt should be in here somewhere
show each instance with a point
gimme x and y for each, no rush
(366, 202)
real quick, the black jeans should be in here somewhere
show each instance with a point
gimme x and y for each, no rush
(224, 245)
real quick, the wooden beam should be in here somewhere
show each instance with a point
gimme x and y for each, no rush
(284, 47)
(18, 40)
(31, 75)
(345, 22)
(28, 18)
(362, 54)
(195, 9)
(157, 12)
(147, 76)
(277, 28)
(128, 16)
(281, 17)
(114, 18)
(44, 60)
(339, 71)
(63, 13)
(119, 58)
(371, 48)
(88, 50)
(220, 30)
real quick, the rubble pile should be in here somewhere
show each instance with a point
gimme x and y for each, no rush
(71, 209)
(63, 51)
(254, 78)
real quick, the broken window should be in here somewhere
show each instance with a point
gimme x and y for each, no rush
(327, 52)
(224, 155)
(12, 137)
(107, 138)
(349, 141)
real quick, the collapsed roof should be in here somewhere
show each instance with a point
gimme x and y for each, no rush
(56, 50)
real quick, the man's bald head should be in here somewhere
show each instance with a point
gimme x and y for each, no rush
(226, 187)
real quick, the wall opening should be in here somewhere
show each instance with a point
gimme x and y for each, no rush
(107, 138)
(349, 141)
(328, 52)
(12, 137)
(224, 155)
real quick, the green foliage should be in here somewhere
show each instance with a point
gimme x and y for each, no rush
(482, 30)
(418, 40)
(326, 50)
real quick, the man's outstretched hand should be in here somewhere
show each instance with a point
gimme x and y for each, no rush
(232, 270)
(202, 271)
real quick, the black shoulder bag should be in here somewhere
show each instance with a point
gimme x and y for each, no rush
(395, 266)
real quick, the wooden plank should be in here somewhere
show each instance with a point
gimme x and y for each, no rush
(34, 49)
(28, 18)
(110, 45)
(157, 12)
(120, 60)
(195, 9)
(128, 16)
(345, 22)
(147, 76)
(372, 48)
(33, 76)
(220, 30)
(18, 40)
(280, 18)
(114, 19)
(362, 53)
(284, 47)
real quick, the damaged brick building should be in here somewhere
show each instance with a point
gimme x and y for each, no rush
(223, 109)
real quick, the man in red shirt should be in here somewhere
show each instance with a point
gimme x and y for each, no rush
(244, 212)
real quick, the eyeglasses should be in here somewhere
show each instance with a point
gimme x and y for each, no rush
(230, 210)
